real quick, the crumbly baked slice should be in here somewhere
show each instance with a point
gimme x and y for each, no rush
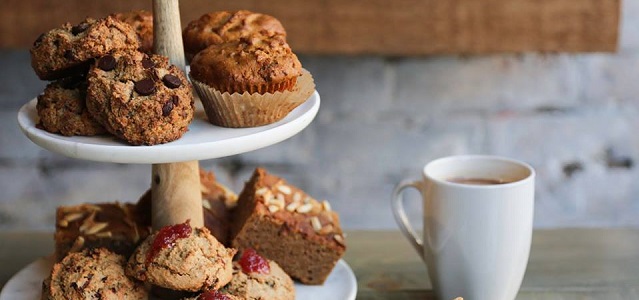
(69, 49)
(142, 22)
(223, 26)
(193, 262)
(217, 201)
(91, 274)
(286, 225)
(62, 108)
(118, 227)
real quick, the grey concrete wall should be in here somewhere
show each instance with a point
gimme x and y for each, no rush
(573, 117)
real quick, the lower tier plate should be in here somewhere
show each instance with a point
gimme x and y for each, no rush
(27, 284)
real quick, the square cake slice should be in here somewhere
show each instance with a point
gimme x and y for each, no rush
(115, 226)
(286, 225)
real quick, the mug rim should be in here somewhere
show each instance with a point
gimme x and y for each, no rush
(529, 177)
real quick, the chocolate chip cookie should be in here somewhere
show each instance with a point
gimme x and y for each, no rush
(68, 50)
(140, 98)
(91, 274)
(142, 23)
(62, 108)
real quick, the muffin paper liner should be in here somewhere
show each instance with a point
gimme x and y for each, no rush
(251, 110)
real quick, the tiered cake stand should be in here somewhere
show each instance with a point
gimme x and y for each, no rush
(175, 178)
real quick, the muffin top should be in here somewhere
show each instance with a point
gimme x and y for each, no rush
(142, 23)
(223, 26)
(248, 62)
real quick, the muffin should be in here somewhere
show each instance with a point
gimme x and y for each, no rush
(91, 274)
(182, 258)
(142, 22)
(69, 49)
(224, 26)
(62, 108)
(140, 98)
(249, 82)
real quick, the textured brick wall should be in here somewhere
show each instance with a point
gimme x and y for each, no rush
(575, 118)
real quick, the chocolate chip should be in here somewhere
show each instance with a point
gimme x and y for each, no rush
(171, 81)
(175, 99)
(167, 108)
(147, 63)
(106, 63)
(82, 27)
(68, 55)
(145, 87)
(38, 41)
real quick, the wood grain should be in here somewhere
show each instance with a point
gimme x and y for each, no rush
(177, 196)
(398, 27)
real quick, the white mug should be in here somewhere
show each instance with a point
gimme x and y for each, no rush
(477, 233)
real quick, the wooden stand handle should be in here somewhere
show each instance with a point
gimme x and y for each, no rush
(176, 194)
(175, 186)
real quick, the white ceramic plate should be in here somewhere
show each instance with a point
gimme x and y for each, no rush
(27, 284)
(202, 141)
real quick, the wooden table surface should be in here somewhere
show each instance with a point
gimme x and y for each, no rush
(564, 263)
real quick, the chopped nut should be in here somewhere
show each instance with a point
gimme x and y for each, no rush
(326, 205)
(339, 239)
(292, 206)
(96, 228)
(261, 191)
(305, 208)
(317, 225)
(297, 197)
(307, 199)
(93, 207)
(77, 244)
(63, 223)
(106, 234)
(273, 208)
(280, 200)
(204, 189)
(268, 197)
(206, 203)
(328, 228)
(284, 189)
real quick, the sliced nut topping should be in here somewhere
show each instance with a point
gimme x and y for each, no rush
(317, 225)
(206, 203)
(329, 217)
(261, 191)
(63, 223)
(326, 206)
(268, 197)
(106, 234)
(305, 208)
(73, 217)
(284, 189)
(293, 206)
(297, 197)
(307, 199)
(97, 227)
(273, 208)
(328, 228)
(339, 239)
(93, 207)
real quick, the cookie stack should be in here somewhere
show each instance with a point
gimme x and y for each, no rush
(252, 246)
(102, 82)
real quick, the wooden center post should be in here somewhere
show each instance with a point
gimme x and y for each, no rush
(175, 186)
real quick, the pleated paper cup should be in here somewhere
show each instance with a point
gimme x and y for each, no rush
(251, 110)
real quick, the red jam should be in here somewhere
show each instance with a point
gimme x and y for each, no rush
(167, 236)
(213, 295)
(252, 262)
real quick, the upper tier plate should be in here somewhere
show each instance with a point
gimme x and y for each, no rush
(202, 141)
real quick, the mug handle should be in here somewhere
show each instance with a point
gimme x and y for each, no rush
(397, 204)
